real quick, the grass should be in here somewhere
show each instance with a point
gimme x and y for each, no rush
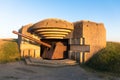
(9, 51)
(107, 60)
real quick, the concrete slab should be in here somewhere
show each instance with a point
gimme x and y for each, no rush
(50, 63)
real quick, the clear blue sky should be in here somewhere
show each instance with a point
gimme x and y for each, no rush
(15, 13)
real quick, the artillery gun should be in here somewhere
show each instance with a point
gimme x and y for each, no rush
(51, 51)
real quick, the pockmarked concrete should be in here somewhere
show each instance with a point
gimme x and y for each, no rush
(21, 71)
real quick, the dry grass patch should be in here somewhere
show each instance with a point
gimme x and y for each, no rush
(9, 50)
(107, 59)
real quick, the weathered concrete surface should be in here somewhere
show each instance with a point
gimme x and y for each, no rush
(50, 63)
(25, 45)
(93, 34)
(20, 71)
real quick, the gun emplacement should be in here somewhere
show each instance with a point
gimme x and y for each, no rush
(56, 52)
(33, 39)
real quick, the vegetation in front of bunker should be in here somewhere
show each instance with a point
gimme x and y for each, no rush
(9, 51)
(107, 60)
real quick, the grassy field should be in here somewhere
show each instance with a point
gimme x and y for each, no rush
(108, 59)
(9, 50)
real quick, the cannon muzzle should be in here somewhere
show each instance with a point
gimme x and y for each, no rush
(32, 39)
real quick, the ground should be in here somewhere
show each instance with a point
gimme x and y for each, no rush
(21, 71)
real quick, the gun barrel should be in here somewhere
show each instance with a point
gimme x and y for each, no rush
(33, 39)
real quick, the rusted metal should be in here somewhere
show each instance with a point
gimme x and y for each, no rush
(33, 39)
(55, 53)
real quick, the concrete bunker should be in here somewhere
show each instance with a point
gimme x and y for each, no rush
(80, 40)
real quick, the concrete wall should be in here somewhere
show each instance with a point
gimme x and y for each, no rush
(93, 34)
(27, 47)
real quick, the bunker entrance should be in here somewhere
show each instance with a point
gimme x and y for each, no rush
(59, 49)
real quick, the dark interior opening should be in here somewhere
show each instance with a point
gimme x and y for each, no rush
(53, 42)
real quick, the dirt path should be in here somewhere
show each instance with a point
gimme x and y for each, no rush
(21, 71)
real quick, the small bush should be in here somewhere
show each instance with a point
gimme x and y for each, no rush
(9, 52)
(107, 59)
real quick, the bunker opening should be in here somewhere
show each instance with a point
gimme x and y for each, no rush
(59, 49)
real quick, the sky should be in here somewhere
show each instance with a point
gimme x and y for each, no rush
(16, 13)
